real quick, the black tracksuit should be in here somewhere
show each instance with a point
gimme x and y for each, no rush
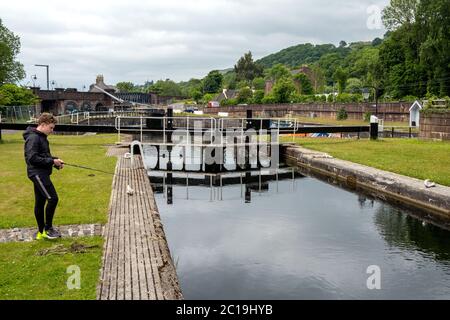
(39, 168)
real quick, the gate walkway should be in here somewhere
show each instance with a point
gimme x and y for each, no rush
(136, 263)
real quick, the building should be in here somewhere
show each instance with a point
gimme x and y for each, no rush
(100, 82)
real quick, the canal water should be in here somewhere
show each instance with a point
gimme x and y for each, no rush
(298, 238)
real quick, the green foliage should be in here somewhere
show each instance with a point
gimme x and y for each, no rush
(349, 98)
(258, 96)
(12, 95)
(212, 82)
(400, 12)
(277, 72)
(229, 102)
(282, 90)
(247, 69)
(414, 57)
(208, 97)
(259, 83)
(11, 70)
(354, 85)
(166, 88)
(196, 94)
(299, 55)
(244, 95)
(125, 86)
(269, 99)
(341, 76)
(304, 84)
(341, 114)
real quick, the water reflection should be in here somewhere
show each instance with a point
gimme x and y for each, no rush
(406, 232)
(254, 181)
(301, 238)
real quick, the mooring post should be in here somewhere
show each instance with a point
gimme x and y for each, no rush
(373, 128)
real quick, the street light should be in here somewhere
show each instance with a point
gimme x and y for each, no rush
(44, 65)
(33, 78)
(365, 93)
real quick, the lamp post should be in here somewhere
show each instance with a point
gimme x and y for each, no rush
(33, 78)
(44, 65)
(366, 95)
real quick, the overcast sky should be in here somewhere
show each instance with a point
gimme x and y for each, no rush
(140, 40)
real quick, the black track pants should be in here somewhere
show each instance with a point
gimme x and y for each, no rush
(44, 191)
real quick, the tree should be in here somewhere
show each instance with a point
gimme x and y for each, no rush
(259, 83)
(303, 83)
(166, 88)
(10, 70)
(341, 76)
(125, 86)
(342, 44)
(244, 95)
(212, 83)
(283, 90)
(247, 69)
(400, 12)
(12, 95)
(277, 72)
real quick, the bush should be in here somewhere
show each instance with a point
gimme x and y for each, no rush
(228, 102)
(348, 98)
(366, 116)
(245, 95)
(258, 96)
(269, 99)
(342, 114)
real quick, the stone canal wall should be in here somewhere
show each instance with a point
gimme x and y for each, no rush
(435, 125)
(385, 185)
(398, 111)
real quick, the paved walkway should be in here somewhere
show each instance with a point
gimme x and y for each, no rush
(136, 262)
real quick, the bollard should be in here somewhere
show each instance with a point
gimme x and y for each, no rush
(373, 128)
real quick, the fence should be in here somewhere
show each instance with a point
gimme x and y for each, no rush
(17, 114)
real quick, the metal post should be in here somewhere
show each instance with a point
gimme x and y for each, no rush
(141, 129)
(373, 127)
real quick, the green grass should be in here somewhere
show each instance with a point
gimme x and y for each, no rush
(347, 122)
(25, 275)
(82, 198)
(410, 157)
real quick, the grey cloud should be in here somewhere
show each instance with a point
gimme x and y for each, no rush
(142, 40)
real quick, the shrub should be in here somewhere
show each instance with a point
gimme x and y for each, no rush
(269, 99)
(341, 114)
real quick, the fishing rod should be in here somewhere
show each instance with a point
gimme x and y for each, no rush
(92, 169)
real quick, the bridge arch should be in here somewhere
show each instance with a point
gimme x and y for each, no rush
(71, 106)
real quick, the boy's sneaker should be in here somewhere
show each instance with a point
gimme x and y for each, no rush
(39, 236)
(52, 233)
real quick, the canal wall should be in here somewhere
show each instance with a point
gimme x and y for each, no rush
(435, 125)
(397, 111)
(385, 185)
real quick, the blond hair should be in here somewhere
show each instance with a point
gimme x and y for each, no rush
(46, 118)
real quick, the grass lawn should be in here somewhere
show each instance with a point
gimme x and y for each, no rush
(27, 275)
(347, 122)
(82, 198)
(410, 157)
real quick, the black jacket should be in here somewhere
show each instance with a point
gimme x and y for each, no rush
(37, 153)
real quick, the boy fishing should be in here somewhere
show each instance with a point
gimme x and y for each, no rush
(39, 168)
